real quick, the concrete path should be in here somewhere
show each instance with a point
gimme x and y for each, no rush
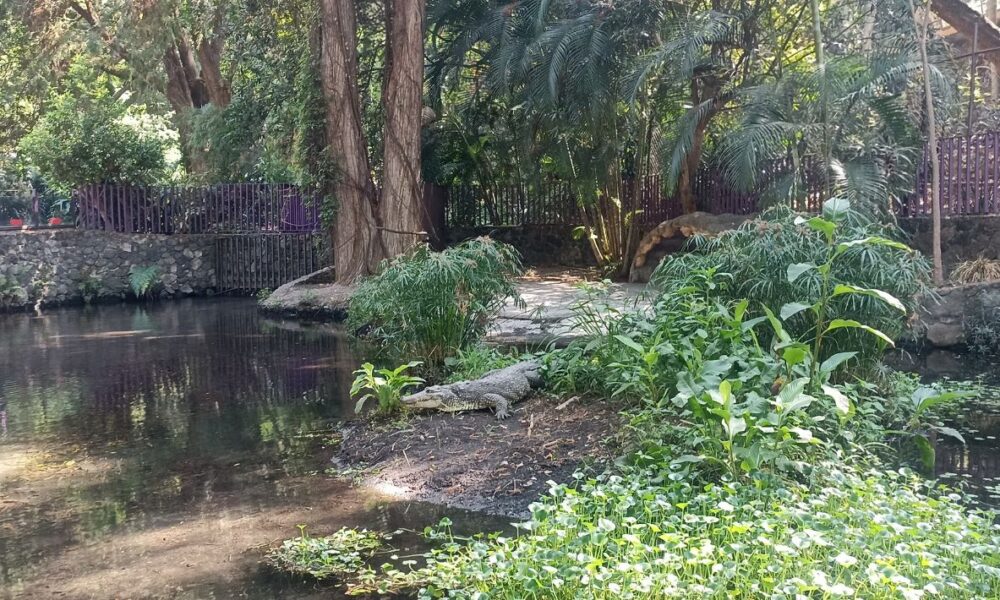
(547, 316)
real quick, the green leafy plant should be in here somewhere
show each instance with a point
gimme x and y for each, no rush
(851, 531)
(90, 287)
(775, 260)
(344, 552)
(143, 280)
(431, 304)
(385, 385)
(262, 294)
(12, 292)
(921, 429)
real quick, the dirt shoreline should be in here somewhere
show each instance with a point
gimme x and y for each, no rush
(473, 461)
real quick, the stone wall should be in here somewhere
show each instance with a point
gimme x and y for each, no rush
(951, 317)
(539, 245)
(962, 238)
(66, 265)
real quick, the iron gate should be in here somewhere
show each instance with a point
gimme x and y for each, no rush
(250, 262)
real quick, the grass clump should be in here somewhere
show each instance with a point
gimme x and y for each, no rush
(342, 553)
(476, 361)
(979, 270)
(432, 304)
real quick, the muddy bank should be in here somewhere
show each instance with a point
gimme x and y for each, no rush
(473, 461)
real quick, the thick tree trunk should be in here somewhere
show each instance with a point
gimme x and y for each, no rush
(402, 191)
(357, 247)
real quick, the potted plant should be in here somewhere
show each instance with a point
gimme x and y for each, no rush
(55, 220)
(17, 222)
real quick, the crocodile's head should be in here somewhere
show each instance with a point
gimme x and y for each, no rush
(433, 397)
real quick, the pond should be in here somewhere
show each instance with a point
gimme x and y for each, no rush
(974, 465)
(156, 451)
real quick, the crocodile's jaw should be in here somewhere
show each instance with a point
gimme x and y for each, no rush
(426, 403)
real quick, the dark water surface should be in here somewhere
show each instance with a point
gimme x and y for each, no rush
(155, 451)
(976, 464)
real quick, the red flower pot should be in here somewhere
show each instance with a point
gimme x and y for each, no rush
(55, 221)
(16, 222)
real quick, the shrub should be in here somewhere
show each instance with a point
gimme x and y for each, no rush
(758, 254)
(431, 304)
(87, 139)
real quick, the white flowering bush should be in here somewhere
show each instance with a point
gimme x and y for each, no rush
(850, 533)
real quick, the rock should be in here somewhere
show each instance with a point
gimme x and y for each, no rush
(946, 318)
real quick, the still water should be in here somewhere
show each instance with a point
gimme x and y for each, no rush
(157, 451)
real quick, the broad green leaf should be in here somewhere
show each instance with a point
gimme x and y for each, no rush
(740, 310)
(874, 241)
(830, 365)
(842, 402)
(886, 297)
(927, 453)
(950, 432)
(836, 209)
(779, 330)
(794, 355)
(804, 435)
(848, 323)
(734, 426)
(726, 392)
(797, 269)
(926, 398)
(820, 224)
(624, 339)
(793, 308)
(791, 392)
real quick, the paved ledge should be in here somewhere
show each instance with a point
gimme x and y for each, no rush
(545, 318)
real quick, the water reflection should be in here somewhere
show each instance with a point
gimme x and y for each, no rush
(143, 450)
(976, 464)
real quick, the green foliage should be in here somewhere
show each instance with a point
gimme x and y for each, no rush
(850, 531)
(12, 292)
(431, 304)
(341, 553)
(84, 140)
(90, 287)
(143, 280)
(774, 260)
(385, 385)
(474, 362)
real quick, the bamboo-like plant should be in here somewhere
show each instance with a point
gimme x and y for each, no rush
(431, 304)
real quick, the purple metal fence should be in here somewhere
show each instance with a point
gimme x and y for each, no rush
(554, 203)
(223, 208)
(970, 178)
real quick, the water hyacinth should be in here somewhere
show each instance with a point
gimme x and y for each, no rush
(847, 533)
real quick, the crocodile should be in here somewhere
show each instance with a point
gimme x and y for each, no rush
(498, 389)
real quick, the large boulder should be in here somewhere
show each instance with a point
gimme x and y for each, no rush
(669, 236)
(944, 318)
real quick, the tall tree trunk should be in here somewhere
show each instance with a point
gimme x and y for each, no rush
(932, 141)
(402, 190)
(824, 117)
(357, 247)
(703, 88)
